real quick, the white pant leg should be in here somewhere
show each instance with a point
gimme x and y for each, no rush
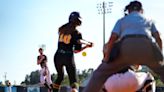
(42, 77)
(48, 76)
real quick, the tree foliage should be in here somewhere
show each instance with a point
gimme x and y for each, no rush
(34, 77)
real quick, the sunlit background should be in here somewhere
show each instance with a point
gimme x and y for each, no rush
(26, 24)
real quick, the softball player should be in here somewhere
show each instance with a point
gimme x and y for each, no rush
(45, 77)
(68, 44)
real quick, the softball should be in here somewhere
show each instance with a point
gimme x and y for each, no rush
(84, 54)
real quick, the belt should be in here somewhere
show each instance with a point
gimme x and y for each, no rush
(135, 36)
(63, 51)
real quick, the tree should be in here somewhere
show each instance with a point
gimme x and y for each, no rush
(6, 82)
(27, 80)
(65, 81)
(53, 77)
(1, 83)
(33, 78)
(84, 75)
(80, 76)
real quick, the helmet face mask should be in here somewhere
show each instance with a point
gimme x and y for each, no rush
(77, 22)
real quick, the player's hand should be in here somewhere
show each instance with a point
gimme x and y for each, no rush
(90, 45)
(45, 73)
(75, 51)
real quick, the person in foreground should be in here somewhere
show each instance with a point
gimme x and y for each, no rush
(69, 43)
(130, 79)
(135, 34)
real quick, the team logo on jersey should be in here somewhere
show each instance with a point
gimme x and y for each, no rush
(65, 38)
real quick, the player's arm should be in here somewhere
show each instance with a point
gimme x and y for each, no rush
(157, 39)
(78, 44)
(108, 46)
(82, 48)
(114, 36)
(38, 60)
(156, 35)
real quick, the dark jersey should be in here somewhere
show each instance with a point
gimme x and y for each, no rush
(43, 62)
(69, 41)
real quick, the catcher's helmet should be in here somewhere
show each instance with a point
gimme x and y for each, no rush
(74, 16)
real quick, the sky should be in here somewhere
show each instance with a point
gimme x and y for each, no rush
(26, 24)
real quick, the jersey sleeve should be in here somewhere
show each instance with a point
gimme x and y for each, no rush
(38, 58)
(117, 27)
(45, 58)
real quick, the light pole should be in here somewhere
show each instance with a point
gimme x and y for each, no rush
(43, 46)
(104, 8)
(5, 76)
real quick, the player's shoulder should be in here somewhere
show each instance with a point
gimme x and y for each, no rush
(44, 55)
(64, 26)
(38, 56)
(77, 32)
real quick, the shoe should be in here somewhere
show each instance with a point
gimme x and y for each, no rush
(47, 86)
